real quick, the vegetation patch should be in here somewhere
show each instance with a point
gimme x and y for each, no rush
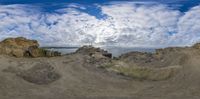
(144, 73)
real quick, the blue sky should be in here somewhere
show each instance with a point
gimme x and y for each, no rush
(153, 23)
(184, 4)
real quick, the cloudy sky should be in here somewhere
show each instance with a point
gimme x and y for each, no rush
(139, 23)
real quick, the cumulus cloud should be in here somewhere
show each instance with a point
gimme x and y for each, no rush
(142, 25)
(49, 29)
(126, 24)
(188, 27)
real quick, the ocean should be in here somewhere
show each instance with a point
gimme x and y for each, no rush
(116, 51)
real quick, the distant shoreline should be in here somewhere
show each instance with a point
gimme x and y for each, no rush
(59, 47)
(116, 51)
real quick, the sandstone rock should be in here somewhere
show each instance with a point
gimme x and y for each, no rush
(37, 52)
(197, 46)
(19, 42)
(17, 53)
(22, 47)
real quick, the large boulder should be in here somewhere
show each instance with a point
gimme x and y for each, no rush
(22, 47)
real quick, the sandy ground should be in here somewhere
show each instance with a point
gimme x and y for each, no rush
(83, 81)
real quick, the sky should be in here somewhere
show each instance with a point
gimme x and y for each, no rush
(134, 23)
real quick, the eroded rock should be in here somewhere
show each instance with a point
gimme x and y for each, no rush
(40, 74)
(90, 50)
(22, 47)
(197, 46)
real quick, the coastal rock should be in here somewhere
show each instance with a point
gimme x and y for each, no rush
(96, 57)
(159, 58)
(19, 42)
(159, 65)
(196, 46)
(168, 50)
(90, 50)
(36, 52)
(17, 53)
(22, 47)
(140, 58)
(143, 73)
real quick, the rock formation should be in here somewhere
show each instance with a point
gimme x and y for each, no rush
(40, 74)
(197, 46)
(22, 47)
(160, 65)
(96, 56)
(89, 50)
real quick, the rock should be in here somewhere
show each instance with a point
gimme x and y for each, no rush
(96, 57)
(161, 57)
(90, 50)
(161, 65)
(196, 46)
(98, 60)
(52, 53)
(40, 74)
(147, 73)
(36, 52)
(19, 42)
(17, 53)
(109, 55)
(138, 57)
(168, 50)
(22, 47)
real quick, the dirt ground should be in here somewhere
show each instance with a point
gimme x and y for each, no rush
(69, 77)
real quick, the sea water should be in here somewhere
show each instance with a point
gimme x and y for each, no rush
(116, 51)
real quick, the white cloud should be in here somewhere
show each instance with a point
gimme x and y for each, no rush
(143, 25)
(188, 27)
(127, 24)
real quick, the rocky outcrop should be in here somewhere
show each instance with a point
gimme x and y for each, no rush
(22, 47)
(144, 73)
(160, 58)
(95, 56)
(90, 50)
(160, 65)
(196, 46)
